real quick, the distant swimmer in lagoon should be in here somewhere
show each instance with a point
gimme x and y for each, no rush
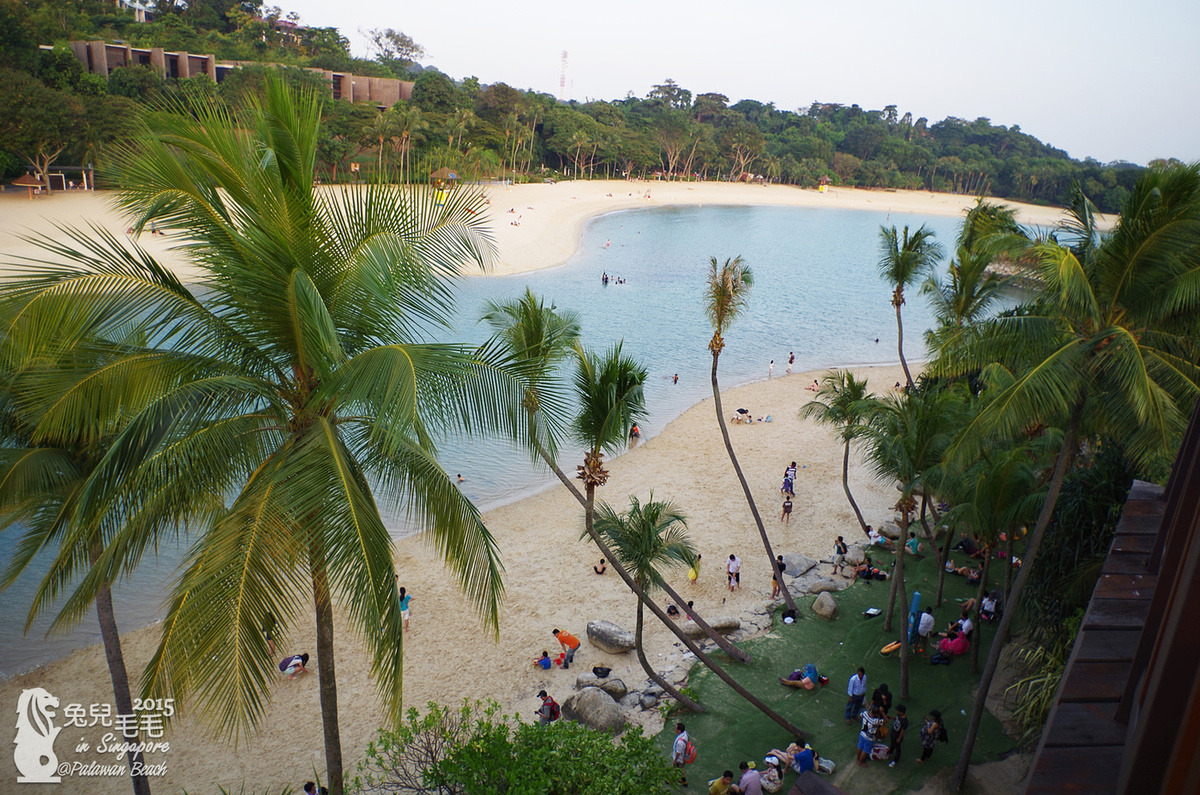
(461, 479)
(675, 379)
(791, 361)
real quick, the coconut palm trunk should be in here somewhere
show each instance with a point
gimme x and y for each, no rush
(983, 580)
(943, 556)
(737, 468)
(326, 670)
(1062, 465)
(862, 523)
(120, 678)
(898, 302)
(655, 676)
(902, 592)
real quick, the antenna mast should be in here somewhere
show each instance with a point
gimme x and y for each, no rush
(562, 78)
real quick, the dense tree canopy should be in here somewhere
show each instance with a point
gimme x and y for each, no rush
(674, 131)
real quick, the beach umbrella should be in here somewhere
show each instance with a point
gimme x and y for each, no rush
(29, 182)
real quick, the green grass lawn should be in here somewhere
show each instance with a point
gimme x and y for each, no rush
(732, 731)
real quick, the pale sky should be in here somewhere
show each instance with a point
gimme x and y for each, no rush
(1109, 79)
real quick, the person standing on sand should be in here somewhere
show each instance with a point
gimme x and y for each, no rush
(405, 600)
(791, 361)
(786, 517)
(548, 711)
(779, 567)
(771, 368)
(694, 570)
(734, 571)
(569, 644)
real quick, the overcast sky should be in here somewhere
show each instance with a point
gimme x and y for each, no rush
(1109, 79)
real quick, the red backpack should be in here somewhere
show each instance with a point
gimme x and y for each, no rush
(555, 713)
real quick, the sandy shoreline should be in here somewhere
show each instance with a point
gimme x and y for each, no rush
(550, 584)
(548, 570)
(551, 217)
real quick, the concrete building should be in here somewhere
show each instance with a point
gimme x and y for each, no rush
(101, 57)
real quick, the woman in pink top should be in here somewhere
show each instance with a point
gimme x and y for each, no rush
(954, 644)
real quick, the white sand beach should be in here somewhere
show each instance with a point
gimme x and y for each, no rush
(549, 575)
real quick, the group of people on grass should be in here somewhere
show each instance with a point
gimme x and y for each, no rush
(881, 731)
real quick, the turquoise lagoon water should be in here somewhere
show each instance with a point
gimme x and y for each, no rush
(816, 293)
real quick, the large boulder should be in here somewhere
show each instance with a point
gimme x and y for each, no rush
(855, 555)
(595, 709)
(722, 624)
(825, 607)
(609, 637)
(796, 565)
(614, 687)
(890, 530)
(823, 585)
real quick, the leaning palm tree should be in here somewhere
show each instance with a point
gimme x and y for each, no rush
(905, 438)
(297, 385)
(903, 260)
(842, 401)
(54, 437)
(539, 338)
(1106, 347)
(725, 298)
(519, 334)
(648, 538)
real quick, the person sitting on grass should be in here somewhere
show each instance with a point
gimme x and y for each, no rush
(723, 785)
(879, 539)
(798, 757)
(862, 570)
(954, 644)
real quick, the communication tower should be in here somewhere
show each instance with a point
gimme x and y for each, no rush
(562, 78)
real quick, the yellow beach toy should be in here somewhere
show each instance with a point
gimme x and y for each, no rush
(890, 649)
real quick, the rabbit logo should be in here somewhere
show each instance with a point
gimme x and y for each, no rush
(34, 755)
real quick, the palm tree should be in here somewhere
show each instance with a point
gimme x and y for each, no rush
(903, 260)
(462, 120)
(383, 129)
(296, 383)
(528, 332)
(646, 538)
(841, 402)
(1104, 348)
(409, 126)
(538, 338)
(906, 436)
(724, 299)
(49, 452)
(987, 220)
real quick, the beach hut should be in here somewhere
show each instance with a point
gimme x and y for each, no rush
(28, 181)
(823, 184)
(443, 174)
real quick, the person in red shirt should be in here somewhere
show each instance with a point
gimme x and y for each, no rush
(570, 645)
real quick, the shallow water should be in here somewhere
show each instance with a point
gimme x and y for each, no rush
(816, 293)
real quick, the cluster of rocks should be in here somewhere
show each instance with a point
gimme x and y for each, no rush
(609, 704)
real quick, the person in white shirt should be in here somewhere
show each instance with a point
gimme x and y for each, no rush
(925, 628)
(734, 569)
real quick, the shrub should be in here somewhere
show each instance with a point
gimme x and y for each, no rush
(473, 750)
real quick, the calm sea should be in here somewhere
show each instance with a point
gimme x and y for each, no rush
(816, 293)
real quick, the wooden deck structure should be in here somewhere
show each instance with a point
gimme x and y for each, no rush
(1127, 719)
